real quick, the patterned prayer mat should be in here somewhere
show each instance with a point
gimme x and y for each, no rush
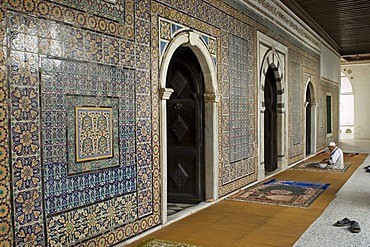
(282, 193)
(163, 243)
(314, 168)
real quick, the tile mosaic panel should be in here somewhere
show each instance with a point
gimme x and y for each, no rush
(93, 133)
(109, 132)
(59, 40)
(77, 225)
(113, 87)
(241, 112)
(296, 104)
(53, 39)
(239, 91)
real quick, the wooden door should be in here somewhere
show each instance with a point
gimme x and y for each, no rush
(270, 119)
(185, 127)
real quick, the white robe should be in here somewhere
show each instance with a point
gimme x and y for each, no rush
(336, 160)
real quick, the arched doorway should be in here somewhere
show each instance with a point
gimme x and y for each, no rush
(308, 120)
(211, 97)
(270, 121)
(346, 108)
(185, 129)
(310, 114)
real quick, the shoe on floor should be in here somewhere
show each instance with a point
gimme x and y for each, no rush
(367, 169)
(343, 222)
(355, 227)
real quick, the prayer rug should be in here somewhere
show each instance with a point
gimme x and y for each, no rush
(349, 154)
(313, 167)
(345, 154)
(163, 243)
(282, 193)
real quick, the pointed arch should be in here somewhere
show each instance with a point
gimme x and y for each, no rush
(310, 120)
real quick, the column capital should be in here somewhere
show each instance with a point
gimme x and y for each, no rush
(212, 97)
(165, 93)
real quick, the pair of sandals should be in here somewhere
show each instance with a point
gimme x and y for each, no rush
(354, 226)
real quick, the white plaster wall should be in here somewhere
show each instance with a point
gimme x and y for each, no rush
(359, 75)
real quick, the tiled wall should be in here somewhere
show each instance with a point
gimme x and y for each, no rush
(63, 54)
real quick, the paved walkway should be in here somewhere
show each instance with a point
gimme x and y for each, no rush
(352, 201)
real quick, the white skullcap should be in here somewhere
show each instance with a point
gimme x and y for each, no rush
(332, 144)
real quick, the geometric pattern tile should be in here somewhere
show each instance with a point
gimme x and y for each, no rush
(241, 109)
(114, 17)
(66, 89)
(24, 130)
(59, 40)
(296, 104)
(79, 224)
(168, 29)
(41, 99)
(111, 9)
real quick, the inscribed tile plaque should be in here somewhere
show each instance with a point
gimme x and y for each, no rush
(93, 133)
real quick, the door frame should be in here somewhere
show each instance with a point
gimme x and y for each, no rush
(313, 105)
(271, 53)
(192, 40)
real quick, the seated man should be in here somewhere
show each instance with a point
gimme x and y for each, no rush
(336, 160)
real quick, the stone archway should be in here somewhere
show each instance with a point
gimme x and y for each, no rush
(272, 56)
(310, 121)
(193, 41)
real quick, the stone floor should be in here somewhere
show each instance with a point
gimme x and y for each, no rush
(352, 201)
(173, 208)
(232, 223)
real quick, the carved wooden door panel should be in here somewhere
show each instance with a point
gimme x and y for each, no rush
(270, 117)
(185, 162)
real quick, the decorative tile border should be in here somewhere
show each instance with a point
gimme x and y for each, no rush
(6, 226)
(84, 14)
(25, 138)
(77, 225)
(112, 10)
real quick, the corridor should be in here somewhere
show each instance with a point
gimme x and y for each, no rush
(234, 223)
